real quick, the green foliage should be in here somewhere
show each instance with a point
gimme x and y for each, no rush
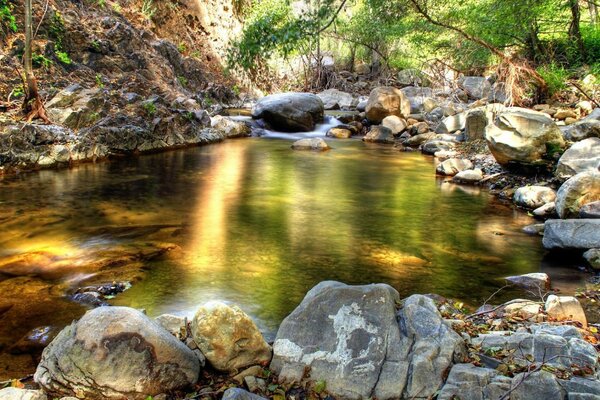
(116, 7)
(18, 91)
(150, 108)
(39, 60)
(148, 9)
(236, 90)
(591, 41)
(57, 31)
(7, 19)
(555, 77)
(182, 47)
(320, 386)
(182, 81)
(63, 57)
(101, 3)
(95, 45)
(207, 101)
(99, 82)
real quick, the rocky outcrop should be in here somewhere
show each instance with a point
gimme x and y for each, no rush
(349, 337)
(386, 101)
(576, 192)
(572, 234)
(314, 144)
(583, 156)
(290, 112)
(228, 338)
(113, 353)
(522, 136)
(532, 197)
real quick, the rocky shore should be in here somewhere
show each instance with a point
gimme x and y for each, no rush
(347, 342)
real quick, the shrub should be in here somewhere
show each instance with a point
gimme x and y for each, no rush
(555, 77)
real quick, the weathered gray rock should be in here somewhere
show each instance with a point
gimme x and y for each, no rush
(418, 140)
(583, 156)
(316, 144)
(433, 146)
(174, 324)
(545, 211)
(585, 128)
(76, 107)
(534, 229)
(116, 352)
(386, 101)
(592, 256)
(468, 382)
(394, 123)
(536, 281)
(576, 192)
(476, 87)
(334, 99)
(11, 393)
(533, 197)
(565, 308)
(240, 394)
(478, 118)
(590, 210)
(349, 337)
(452, 123)
(229, 127)
(452, 166)
(572, 234)
(538, 385)
(228, 338)
(290, 112)
(468, 176)
(522, 136)
(379, 134)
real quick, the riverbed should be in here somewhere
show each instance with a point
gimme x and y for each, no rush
(253, 223)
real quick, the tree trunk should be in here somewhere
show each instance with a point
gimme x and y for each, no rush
(593, 12)
(574, 31)
(33, 105)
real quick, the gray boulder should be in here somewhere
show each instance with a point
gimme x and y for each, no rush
(572, 234)
(385, 101)
(477, 120)
(395, 124)
(583, 156)
(468, 382)
(576, 192)
(433, 146)
(590, 210)
(592, 256)
(229, 127)
(334, 99)
(468, 176)
(452, 123)
(290, 112)
(453, 166)
(536, 280)
(522, 136)
(240, 394)
(379, 134)
(533, 197)
(115, 353)
(349, 337)
(476, 87)
(584, 128)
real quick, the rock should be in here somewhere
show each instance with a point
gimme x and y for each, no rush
(418, 140)
(453, 166)
(536, 281)
(565, 308)
(11, 393)
(349, 337)
(255, 370)
(316, 144)
(228, 338)
(35, 340)
(452, 123)
(411, 77)
(394, 123)
(476, 87)
(240, 394)
(115, 352)
(379, 134)
(468, 176)
(478, 118)
(339, 133)
(76, 108)
(592, 256)
(255, 384)
(173, 324)
(469, 382)
(545, 211)
(590, 210)
(534, 230)
(386, 101)
(525, 309)
(572, 234)
(229, 127)
(290, 112)
(334, 99)
(576, 192)
(522, 136)
(362, 105)
(585, 106)
(532, 197)
(433, 146)
(584, 128)
(583, 156)
(565, 113)
(537, 385)
(430, 104)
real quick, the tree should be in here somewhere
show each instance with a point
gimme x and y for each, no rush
(33, 106)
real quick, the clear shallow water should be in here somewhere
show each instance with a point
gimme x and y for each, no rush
(257, 224)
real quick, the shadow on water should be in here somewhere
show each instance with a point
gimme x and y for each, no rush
(253, 223)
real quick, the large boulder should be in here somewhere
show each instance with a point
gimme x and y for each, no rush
(533, 197)
(576, 192)
(290, 112)
(478, 118)
(385, 101)
(11, 393)
(228, 338)
(584, 128)
(395, 124)
(334, 99)
(116, 353)
(522, 136)
(229, 127)
(379, 134)
(349, 337)
(476, 87)
(581, 157)
(572, 234)
(452, 123)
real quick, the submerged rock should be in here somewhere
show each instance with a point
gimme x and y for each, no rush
(317, 144)
(228, 338)
(113, 353)
(290, 112)
(349, 337)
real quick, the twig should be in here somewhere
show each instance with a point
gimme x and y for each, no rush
(41, 19)
(497, 308)
(575, 85)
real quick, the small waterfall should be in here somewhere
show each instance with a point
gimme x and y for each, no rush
(320, 130)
